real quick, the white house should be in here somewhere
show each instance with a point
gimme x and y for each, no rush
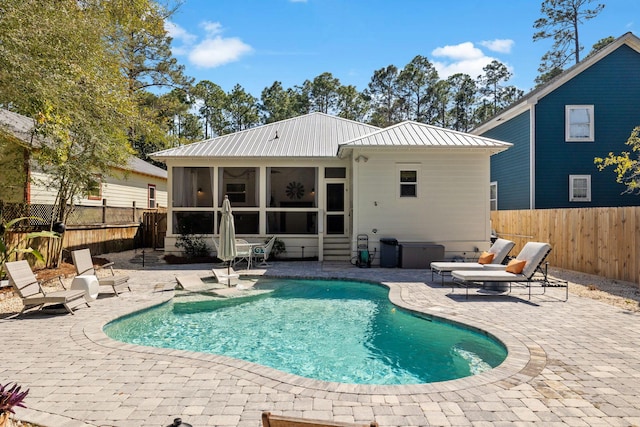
(320, 182)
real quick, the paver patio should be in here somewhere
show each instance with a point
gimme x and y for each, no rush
(574, 363)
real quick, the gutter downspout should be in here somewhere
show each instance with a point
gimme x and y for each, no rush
(532, 156)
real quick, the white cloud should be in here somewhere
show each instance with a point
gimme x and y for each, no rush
(212, 28)
(179, 34)
(212, 51)
(462, 51)
(461, 58)
(498, 45)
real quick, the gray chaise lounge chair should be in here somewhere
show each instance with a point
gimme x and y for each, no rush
(28, 288)
(84, 265)
(533, 254)
(500, 249)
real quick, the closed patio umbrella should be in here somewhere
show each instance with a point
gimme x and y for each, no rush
(227, 236)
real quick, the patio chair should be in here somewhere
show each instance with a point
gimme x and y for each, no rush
(269, 420)
(30, 290)
(262, 252)
(497, 254)
(84, 265)
(521, 270)
(243, 253)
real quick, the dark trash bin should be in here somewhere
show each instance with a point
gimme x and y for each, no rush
(388, 252)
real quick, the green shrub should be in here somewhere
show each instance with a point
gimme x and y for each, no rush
(192, 245)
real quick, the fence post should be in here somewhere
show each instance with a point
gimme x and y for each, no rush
(104, 211)
(134, 212)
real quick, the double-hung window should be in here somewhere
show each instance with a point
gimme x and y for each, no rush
(408, 177)
(493, 196)
(579, 125)
(579, 188)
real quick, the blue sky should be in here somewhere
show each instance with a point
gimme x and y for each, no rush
(256, 42)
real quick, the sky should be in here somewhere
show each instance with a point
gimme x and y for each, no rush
(254, 43)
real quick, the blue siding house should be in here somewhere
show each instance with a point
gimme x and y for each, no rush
(559, 128)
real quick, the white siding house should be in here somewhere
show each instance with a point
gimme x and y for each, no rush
(130, 184)
(136, 182)
(319, 181)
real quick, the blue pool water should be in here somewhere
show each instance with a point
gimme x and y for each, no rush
(338, 331)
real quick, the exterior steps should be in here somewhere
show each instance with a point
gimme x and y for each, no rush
(337, 249)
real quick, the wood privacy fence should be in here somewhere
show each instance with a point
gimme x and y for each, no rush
(100, 238)
(600, 241)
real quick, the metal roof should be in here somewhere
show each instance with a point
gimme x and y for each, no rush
(414, 134)
(311, 135)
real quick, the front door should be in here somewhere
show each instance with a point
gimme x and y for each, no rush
(336, 202)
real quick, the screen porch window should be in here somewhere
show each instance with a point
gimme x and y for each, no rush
(579, 123)
(579, 188)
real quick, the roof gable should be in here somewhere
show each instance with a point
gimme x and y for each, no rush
(531, 98)
(414, 134)
(311, 135)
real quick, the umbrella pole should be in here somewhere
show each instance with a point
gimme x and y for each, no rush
(229, 274)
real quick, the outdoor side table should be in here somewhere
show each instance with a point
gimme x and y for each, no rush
(89, 283)
(496, 286)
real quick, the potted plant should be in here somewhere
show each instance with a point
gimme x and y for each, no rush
(11, 397)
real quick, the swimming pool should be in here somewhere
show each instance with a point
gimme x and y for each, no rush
(339, 331)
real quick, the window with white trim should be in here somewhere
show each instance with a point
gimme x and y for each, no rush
(493, 196)
(579, 188)
(579, 123)
(151, 196)
(94, 188)
(408, 180)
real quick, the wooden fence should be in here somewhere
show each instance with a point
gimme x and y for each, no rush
(600, 241)
(99, 238)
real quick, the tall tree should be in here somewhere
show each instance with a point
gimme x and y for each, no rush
(463, 97)
(139, 37)
(184, 125)
(560, 22)
(417, 86)
(496, 95)
(324, 93)
(352, 104)
(56, 67)
(277, 103)
(384, 94)
(241, 109)
(600, 44)
(211, 99)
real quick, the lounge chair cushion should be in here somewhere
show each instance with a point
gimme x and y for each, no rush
(486, 258)
(516, 266)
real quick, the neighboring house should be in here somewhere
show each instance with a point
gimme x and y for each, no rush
(319, 182)
(136, 182)
(558, 129)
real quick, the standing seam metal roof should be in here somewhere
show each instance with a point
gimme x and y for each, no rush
(422, 135)
(311, 135)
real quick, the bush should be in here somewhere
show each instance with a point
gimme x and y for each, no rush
(192, 245)
(278, 247)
